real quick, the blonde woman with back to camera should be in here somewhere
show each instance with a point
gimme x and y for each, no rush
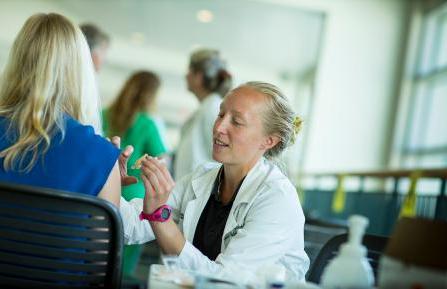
(230, 218)
(49, 113)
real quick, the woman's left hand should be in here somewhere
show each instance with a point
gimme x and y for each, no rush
(124, 157)
(158, 183)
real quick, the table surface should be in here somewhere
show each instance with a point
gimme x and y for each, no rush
(156, 283)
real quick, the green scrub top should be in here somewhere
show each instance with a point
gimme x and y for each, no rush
(145, 138)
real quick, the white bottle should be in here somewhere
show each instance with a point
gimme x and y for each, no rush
(350, 268)
(273, 276)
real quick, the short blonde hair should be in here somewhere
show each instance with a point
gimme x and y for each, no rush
(49, 73)
(279, 118)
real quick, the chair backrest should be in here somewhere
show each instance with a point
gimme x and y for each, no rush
(318, 232)
(53, 239)
(375, 245)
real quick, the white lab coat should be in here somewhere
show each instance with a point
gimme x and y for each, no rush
(196, 140)
(265, 225)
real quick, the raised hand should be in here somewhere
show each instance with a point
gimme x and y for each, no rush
(123, 159)
(158, 183)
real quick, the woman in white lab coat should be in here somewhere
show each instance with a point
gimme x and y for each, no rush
(232, 217)
(209, 81)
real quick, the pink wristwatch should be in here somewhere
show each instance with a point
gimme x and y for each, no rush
(161, 214)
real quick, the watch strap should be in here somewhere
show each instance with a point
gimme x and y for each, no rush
(162, 214)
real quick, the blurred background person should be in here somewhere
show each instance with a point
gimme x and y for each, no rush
(98, 41)
(129, 117)
(209, 80)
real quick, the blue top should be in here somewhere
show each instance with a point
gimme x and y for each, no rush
(80, 163)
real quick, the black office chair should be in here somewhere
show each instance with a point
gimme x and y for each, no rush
(52, 239)
(317, 232)
(375, 246)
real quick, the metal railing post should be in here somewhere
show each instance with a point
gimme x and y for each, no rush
(441, 202)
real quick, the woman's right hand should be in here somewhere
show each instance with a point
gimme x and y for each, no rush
(157, 182)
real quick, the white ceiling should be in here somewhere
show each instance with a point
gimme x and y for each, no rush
(253, 33)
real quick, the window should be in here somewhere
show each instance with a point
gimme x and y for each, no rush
(425, 134)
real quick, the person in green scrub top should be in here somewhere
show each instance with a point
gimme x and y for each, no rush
(129, 117)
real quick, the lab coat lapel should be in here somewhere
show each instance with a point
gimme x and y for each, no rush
(201, 187)
(245, 197)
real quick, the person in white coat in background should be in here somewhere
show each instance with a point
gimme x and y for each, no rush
(209, 80)
(232, 217)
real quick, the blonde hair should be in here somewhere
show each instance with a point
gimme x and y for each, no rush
(278, 118)
(138, 94)
(49, 73)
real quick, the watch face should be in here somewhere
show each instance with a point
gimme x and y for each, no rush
(165, 213)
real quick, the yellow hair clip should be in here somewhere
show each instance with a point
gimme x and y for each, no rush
(297, 123)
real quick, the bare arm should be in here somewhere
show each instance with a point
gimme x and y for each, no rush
(169, 237)
(111, 191)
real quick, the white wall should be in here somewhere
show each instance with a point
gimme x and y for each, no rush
(355, 83)
(12, 16)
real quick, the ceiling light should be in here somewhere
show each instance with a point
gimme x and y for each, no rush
(195, 46)
(205, 16)
(137, 38)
